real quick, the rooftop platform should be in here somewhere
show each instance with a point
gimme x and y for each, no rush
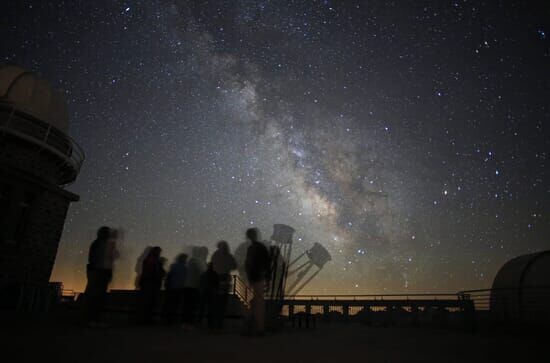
(60, 338)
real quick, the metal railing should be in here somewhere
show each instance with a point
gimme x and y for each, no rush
(377, 297)
(244, 293)
(515, 301)
(69, 295)
(27, 127)
(481, 298)
(241, 290)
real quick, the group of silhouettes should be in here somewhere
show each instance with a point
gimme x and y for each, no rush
(193, 288)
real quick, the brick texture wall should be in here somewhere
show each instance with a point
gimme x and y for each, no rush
(30, 258)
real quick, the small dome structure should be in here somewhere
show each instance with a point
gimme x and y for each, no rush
(34, 114)
(38, 159)
(521, 289)
(24, 91)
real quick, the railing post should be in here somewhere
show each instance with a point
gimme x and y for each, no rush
(47, 134)
(234, 284)
(10, 117)
(345, 311)
(469, 315)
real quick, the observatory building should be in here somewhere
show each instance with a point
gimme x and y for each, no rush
(521, 289)
(37, 160)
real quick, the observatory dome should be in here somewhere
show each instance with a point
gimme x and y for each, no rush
(24, 91)
(521, 288)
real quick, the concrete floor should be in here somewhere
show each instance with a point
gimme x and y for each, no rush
(59, 340)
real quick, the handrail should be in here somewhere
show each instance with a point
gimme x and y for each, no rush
(459, 295)
(68, 292)
(504, 289)
(36, 131)
(487, 299)
(382, 296)
(241, 290)
(244, 293)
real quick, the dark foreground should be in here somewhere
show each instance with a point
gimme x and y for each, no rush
(58, 340)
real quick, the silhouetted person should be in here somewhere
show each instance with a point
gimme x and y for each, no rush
(210, 284)
(139, 265)
(174, 284)
(222, 263)
(257, 267)
(150, 283)
(99, 272)
(191, 294)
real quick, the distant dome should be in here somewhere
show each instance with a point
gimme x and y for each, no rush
(26, 92)
(521, 288)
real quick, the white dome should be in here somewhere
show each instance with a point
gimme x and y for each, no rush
(26, 92)
(521, 288)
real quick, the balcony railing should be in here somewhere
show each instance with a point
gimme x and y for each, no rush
(526, 300)
(377, 297)
(27, 127)
(241, 290)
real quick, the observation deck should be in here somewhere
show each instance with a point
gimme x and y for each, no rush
(23, 126)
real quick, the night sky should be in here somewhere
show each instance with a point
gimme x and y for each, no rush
(411, 139)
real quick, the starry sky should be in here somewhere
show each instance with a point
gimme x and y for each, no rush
(408, 138)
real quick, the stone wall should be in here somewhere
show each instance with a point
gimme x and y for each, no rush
(29, 158)
(30, 258)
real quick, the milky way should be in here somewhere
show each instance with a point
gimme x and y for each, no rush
(410, 140)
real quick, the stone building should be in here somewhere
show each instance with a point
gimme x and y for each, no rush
(37, 160)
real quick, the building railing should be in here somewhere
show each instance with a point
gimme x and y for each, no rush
(377, 297)
(241, 290)
(244, 293)
(27, 127)
(518, 302)
(481, 298)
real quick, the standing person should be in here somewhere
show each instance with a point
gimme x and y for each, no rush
(174, 284)
(150, 283)
(223, 263)
(191, 294)
(257, 267)
(111, 251)
(99, 272)
(139, 265)
(210, 285)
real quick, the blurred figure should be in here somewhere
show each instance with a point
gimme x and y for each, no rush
(210, 284)
(174, 284)
(222, 263)
(150, 283)
(257, 268)
(139, 265)
(99, 272)
(195, 267)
